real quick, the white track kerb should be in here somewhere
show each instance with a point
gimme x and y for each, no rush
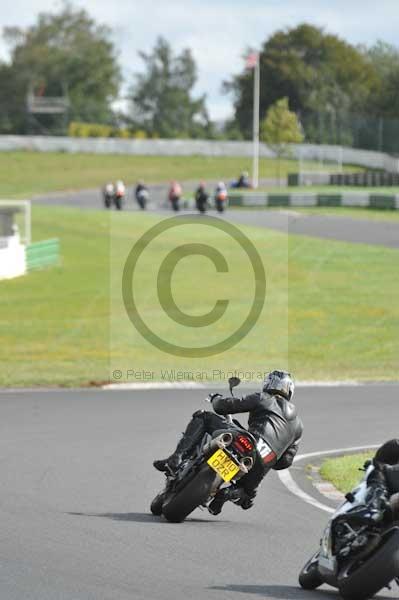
(287, 479)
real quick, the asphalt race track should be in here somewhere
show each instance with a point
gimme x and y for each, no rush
(76, 484)
(385, 233)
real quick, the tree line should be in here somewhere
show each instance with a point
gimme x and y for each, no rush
(340, 93)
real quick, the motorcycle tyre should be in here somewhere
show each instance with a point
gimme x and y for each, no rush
(177, 507)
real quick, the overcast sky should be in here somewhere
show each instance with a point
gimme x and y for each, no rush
(218, 31)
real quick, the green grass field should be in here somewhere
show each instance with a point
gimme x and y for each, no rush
(325, 315)
(23, 174)
(329, 189)
(343, 472)
(373, 214)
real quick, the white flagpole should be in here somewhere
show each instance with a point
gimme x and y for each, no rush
(255, 164)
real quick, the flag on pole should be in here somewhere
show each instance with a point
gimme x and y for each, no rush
(252, 60)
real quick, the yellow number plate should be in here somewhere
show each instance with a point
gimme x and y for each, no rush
(223, 465)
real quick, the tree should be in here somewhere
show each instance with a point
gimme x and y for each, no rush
(385, 60)
(279, 128)
(307, 66)
(63, 52)
(161, 97)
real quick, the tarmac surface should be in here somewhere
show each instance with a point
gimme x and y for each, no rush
(382, 233)
(76, 484)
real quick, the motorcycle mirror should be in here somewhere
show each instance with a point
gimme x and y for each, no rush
(233, 382)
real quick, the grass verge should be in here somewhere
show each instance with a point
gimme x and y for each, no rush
(325, 316)
(23, 174)
(373, 214)
(343, 472)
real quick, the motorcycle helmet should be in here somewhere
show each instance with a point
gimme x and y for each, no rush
(279, 382)
(388, 453)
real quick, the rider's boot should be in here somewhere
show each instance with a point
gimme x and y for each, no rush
(215, 507)
(191, 437)
(232, 493)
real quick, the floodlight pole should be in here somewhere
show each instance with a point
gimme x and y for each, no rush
(255, 164)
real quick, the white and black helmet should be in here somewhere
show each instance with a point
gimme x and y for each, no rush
(279, 382)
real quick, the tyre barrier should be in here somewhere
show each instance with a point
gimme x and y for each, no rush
(355, 199)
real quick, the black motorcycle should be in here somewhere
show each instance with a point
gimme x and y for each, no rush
(217, 463)
(142, 197)
(108, 195)
(359, 553)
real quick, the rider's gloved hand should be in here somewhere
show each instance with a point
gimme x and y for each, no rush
(211, 397)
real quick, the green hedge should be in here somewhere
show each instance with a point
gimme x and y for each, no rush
(95, 130)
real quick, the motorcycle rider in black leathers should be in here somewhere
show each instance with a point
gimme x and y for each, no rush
(141, 194)
(383, 482)
(272, 419)
(201, 198)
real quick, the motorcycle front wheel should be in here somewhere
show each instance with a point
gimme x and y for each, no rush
(360, 582)
(309, 577)
(156, 504)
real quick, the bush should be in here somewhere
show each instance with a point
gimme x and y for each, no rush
(96, 130)
(139, 134)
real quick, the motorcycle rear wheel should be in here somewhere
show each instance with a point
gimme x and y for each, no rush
(374, 574)
(177, 507)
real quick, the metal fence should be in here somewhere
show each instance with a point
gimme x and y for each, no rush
(353, 156)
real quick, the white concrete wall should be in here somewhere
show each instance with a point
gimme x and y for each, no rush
(12, 258)
(354, 156)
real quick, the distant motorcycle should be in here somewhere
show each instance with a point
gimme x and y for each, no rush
(358, 554)
(174, 195)
(119, 195)
(217, 463)
(221, 197)
(108, 195)
(142, 197)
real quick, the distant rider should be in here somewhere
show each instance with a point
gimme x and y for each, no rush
(201, 198)
(141, 194)
(272, 420)
(221, 196)
(108, 194)
(174, 195)
(243, 180)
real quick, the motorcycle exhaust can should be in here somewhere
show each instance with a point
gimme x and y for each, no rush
(224, 440)
(246, 464)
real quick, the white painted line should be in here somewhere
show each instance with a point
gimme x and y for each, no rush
(290, 213)
(287, 480)
(192, 385)
(155, 385)
(349, 382)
